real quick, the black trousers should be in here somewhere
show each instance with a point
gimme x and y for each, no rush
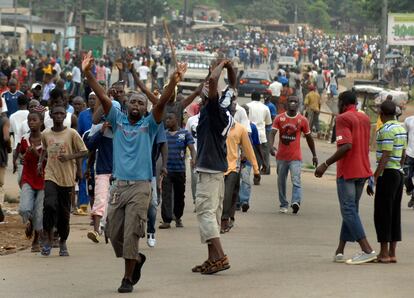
(409, 173)
(56, 209)
(173, 186)
(387, 206)
(231, 195)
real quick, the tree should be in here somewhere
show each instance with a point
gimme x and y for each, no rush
(318, 15)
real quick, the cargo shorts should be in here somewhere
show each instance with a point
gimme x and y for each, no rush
(209, 204)
(127, 216)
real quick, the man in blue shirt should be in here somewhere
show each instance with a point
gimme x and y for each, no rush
(134, 135)
(10, 97)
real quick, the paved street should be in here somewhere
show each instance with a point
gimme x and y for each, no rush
(272, 255)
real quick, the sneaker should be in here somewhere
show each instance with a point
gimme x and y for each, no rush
(94, 236)
(295, 207)
(411, 203)
(151, 240)
(179, 223)
(1, 215)
(283, 210)
(165, 225)
(362, 258)
(245, 207)
(339, 258)
(126, 286)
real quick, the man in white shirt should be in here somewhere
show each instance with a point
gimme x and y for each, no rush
(143, 71)
(76, 78)
(259, 114)
(191, 127)
(275, 88)
(161, 73)
(409, 160)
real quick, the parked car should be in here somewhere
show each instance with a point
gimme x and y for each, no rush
(254, 80)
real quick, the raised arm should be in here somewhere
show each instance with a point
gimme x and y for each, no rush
(158, 109)
(152, 98)
(231, 74)
(189, 99)
(87, 64)
(213, 81)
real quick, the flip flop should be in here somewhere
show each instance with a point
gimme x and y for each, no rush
(383, 260)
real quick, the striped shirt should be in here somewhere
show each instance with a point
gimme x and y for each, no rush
(177, 145)
(392, 137)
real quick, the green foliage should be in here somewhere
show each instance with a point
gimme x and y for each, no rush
(355, 14)
(318, 14)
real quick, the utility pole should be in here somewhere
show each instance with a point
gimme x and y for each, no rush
(65, 16)
(79, 28)
(148, 28)
(15, 44)
(105, 30)
(185, 18)
(384, 17)
(31, 22)
(117, 30)
(296, 19)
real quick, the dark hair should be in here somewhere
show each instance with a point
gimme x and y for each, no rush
(41, 115)
(348, 98)
(56, 94)
(388, 108)
(255, 96)
(55, 107)
(22, 100)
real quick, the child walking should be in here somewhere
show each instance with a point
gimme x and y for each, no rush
(178, 140)
(64, 149)
(32, 184)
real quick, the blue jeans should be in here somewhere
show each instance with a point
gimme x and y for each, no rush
(349, 193)
(152, 209)
(283, 168)
(31, 206)
(245, 184)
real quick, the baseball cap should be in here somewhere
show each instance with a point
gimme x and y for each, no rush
(36, 85)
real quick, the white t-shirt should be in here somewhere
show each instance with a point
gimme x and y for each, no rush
(161, 70)
(409, 127)
(191, 127)
(143, 72)
(49, 121)
(241, 117)
(275, 87)
(259, 114)
(76, 74)
(16, 121)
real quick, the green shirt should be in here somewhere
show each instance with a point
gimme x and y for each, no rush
(391, 137)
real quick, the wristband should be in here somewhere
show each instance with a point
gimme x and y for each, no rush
(325, 163)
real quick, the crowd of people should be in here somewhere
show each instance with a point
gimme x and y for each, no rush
(122, 148)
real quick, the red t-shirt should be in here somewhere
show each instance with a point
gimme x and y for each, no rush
(353, 127)
(29, 174)
(289, 135)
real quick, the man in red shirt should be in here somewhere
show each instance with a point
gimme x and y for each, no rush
(353, 169)
(289, 155)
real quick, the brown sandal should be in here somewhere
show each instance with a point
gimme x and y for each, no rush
(200, 268)
(216, 266)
